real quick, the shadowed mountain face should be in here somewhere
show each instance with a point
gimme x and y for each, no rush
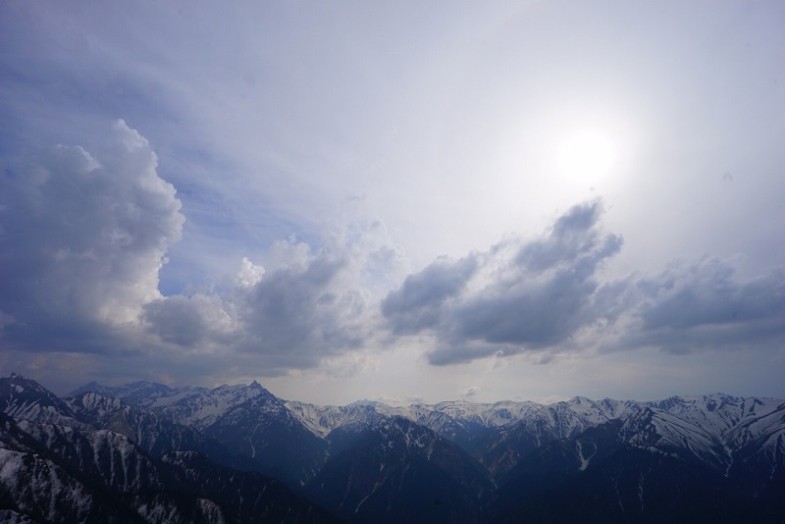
(145, 452)
(398, 471)
(82, 473)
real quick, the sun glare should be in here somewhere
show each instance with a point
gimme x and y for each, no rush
(586, 156)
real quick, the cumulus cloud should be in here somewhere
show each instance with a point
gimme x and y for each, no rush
(83, 236)
(304, 311)
(250, 274)
(519, 295)
(190, 322)
(82, 240)
(302, 307)
(548, 295)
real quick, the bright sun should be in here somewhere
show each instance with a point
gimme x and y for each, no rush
(586, 155)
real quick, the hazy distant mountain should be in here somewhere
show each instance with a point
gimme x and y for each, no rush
(145, 452)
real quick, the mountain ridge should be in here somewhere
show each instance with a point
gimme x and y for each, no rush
(453, 461)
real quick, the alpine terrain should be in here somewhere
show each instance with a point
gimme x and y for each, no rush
(146, 452)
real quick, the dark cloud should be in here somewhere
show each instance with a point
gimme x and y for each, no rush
(303, 313)
(548, 295)
(177, 320)
(451, 352)
(309, 306)
(417, 304)
(517, 296)
(573, 237)
(706, 305)
(532, 314)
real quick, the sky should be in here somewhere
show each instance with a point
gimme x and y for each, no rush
(396, 201)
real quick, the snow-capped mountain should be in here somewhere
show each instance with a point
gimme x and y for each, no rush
(443, 418)
(247, 420)
(543, 424)
(660, 463)
(150, 431)
(201, 408)
(140, 394)
(265, 432)
(657, 430)
(80, 473)
(712, 429)
(146, 452)
(26, 399)
(52, 473)
(496, 434)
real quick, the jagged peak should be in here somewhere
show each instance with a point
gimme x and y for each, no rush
(254, 389)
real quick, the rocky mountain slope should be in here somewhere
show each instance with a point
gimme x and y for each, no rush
(77, 472)
(146, 452)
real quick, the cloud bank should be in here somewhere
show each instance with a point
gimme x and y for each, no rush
(549, 295)
(85, 234)
(705, 305)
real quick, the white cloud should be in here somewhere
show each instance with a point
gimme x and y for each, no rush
(250, 274)
(83, 239)
(303, 311)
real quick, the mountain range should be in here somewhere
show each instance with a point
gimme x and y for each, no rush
(146, 452)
